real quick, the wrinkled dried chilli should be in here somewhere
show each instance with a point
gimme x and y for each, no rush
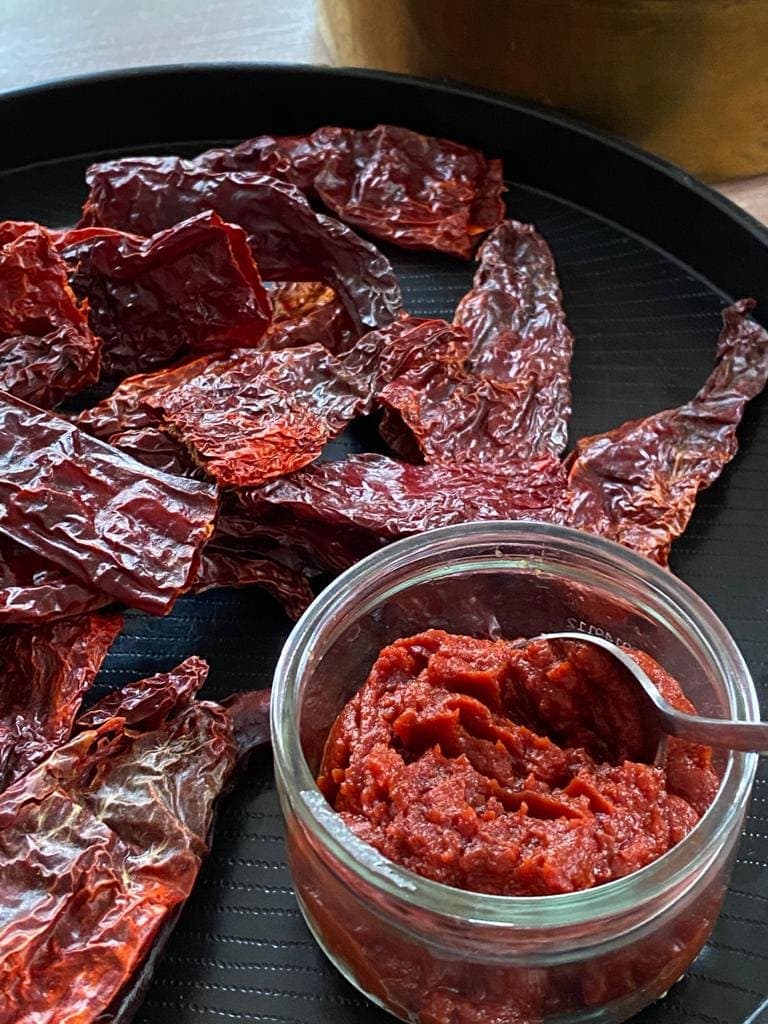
(502, 388)
(193, 288)
(122, 528)
(637, 484)
(44, 672)
(288, 239)
(47, 349)
(414, 190)
(149, 762)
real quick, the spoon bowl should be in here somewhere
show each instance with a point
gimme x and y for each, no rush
(665, 720)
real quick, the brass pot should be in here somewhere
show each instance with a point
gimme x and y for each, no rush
(687, 79)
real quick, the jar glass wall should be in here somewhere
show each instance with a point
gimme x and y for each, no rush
(431, 953)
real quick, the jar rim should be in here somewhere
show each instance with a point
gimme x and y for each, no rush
(394, 881)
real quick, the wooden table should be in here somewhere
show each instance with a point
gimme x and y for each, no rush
(45, 39)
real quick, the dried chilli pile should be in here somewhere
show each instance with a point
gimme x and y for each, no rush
(237, 323)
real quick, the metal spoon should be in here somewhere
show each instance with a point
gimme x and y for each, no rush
(668, 721)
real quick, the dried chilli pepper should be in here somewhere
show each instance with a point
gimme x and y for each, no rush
(125, 410)
(514, 315)
(307, 313)
(292, 300)
(47, 350)
(422, 395)
(637, 484)
(147, 702)
(231, 566)
(456, 416)
(417, 191)
(250, 415)
(44, 672)
(194, 287)
(123, 420)
(502, 388)
(124, 529)
(116, 822)
(285, 537)
(48, 368)
(249, 712)
(336, 512)
(33, 589)
(288, 239)
(156, 448)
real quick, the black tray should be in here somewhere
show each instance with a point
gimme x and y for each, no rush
(647, 258)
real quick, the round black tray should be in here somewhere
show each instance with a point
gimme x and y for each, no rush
(647, 259)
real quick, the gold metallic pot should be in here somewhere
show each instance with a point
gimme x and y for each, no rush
(687, 79)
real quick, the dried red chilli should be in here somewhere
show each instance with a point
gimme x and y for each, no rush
(32, 589)
(238, 529)
(47, 350)
(249, 712)
(124, 421)
(419, 396)
(44, 672)
(307, 313)
(250, 416)
(515, 317)
(156, 448)
(147, 702)
(408, 344)
(307, 544)
(451, 415)
(132, 416)
(288, 239)
(124, 529)
(47, 369)
(502, 388)
(292, 300)
(125, 410)
(336, 512)
(120, 852)
(637, 484)
(236, 566)
(194, 287)
(415, 190)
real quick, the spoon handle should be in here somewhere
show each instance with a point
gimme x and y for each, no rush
(716, 732)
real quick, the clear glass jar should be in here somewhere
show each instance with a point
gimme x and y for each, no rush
(438, 955)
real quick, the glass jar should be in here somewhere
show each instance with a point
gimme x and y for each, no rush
(434, 954)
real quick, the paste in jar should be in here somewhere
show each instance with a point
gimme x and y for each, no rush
(512, 769)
